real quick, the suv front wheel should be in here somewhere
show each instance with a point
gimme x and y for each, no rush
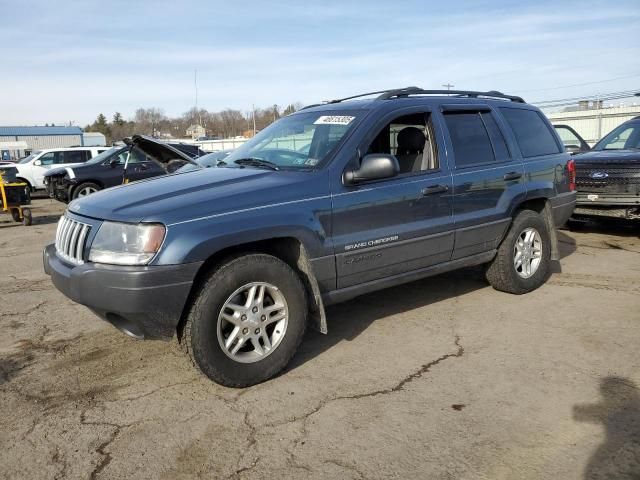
(522, 262)
(247, 321)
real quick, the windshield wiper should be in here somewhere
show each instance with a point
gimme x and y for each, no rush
(257, 162)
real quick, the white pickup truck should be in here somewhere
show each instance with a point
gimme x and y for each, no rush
(31, 169)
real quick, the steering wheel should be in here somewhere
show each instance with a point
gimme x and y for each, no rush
(175, 164)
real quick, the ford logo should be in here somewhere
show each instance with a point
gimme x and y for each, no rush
(599, 175)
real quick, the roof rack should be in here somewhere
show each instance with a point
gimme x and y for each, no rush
(405, 92)
(338, 100)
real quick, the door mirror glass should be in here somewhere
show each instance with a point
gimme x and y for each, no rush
(375, 166)
(572, 148)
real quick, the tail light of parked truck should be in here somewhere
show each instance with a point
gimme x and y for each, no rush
(571, 170)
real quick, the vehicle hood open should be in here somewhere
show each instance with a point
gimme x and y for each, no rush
(163, 152)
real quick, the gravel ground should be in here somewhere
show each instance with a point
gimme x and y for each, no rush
(443, 378)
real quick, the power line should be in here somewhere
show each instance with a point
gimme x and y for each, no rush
(598, 97)
(579, 84)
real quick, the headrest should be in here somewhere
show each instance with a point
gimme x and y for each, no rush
(410, 139)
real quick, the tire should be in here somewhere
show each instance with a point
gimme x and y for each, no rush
(22, 180)
(502, 273)
(27, 218)
(206, 332)
(15, 214)
(84, 189)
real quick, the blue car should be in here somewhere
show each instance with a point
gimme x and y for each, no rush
(237, 261)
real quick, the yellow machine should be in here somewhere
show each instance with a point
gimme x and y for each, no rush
(14, 195)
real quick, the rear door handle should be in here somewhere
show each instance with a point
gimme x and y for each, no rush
(512, 176)
(435, 189)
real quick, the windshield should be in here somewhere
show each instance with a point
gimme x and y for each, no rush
(30, 157)
(105, 155)
(300, 141)
(625, 137)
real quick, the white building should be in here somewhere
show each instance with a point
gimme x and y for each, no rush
(36, 138)
(196, 131)
(93, 139)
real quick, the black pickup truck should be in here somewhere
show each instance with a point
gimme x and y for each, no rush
(608, 176)
(331, 202)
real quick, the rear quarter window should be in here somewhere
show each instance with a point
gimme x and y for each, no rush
(532, 132)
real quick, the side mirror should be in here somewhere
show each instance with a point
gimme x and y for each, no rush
(37, 163)
(113, 162)
(572, 149)
(375, 166)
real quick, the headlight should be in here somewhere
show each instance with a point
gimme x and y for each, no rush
(126, 244)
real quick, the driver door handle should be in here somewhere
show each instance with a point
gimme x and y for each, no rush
(512, 176)
(435, 189)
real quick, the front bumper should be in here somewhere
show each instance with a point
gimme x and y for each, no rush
(614, 205)
(142, 301)
(597, 199)
(58, 189)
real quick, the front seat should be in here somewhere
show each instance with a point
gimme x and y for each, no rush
(410, 147)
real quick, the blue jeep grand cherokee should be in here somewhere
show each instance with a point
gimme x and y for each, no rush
(326, 204)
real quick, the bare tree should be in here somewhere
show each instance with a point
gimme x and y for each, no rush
(148, 120)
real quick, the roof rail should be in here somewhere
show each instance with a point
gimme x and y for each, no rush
(405, 92)
(338, 100)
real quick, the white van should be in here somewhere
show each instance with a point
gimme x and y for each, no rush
(31, 169)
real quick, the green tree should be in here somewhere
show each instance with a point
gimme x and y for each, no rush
(117, 119)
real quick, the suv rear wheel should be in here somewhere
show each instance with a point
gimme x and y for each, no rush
(522, 262)
(247, 321)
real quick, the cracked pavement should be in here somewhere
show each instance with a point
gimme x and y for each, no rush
(443, 378)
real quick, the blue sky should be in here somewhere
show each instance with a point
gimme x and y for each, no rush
(67, 61)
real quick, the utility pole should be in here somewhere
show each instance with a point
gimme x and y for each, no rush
(195, 83)
(253, 110)
(448, 85)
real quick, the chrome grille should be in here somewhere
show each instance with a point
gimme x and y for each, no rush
(71, 237)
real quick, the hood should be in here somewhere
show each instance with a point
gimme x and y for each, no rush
(56, 172)
(208, 191)
(164, 152)
(607, 157)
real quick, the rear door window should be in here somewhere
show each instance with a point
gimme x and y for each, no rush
(74, 156)
(500, 149)
(470, 139)
(532, 132)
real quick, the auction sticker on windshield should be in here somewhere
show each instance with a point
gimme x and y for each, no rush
(334, 120)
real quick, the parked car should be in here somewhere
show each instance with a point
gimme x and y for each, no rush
(236, 260)
(572, 141)
(31, 169)
(139, 159)
(608, 176)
